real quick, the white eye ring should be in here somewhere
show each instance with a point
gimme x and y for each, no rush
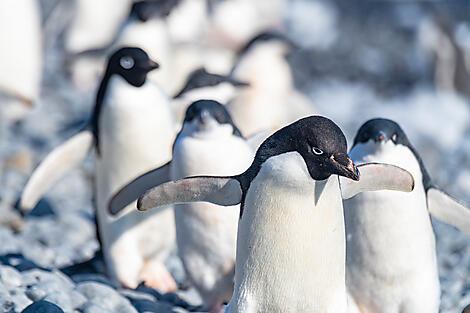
(127, 62)
(317, 151)
(394, 137)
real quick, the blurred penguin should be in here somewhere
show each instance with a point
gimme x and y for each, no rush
(271, 100)
(204, 85)
(132, 131)
(208, 144)
(88, 30)
(234, 22)
(20, 56)
(145, 27)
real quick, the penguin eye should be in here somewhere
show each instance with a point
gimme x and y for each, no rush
(394, 138)
(127, 62)
(317, 151)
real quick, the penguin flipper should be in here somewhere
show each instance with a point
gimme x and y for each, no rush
(54, 166)
(377, 176)
(224, 191)
(446, 209)
(130, 192)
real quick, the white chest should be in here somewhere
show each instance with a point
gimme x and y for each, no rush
(290, 249)
(389, 234)
(135, 132)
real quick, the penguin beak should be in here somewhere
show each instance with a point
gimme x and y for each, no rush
(237, 83)
(380, 137)
(152, 65)
(344, 166)
(204, 116)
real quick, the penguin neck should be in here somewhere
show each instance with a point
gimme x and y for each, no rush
(291, 246)
(390, 153)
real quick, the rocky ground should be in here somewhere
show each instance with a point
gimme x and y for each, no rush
(357, 62)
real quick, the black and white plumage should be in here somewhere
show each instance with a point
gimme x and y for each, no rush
(20, 56)
(290, 244)
(132, 130)
(271, 100)
(208, 144)
(391, 259)
(202, 84)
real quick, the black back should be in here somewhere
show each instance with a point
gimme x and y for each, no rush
(132, 64)
(201, 78)
(147, 9)
(392, 131)
(302, 136)
(215, 109)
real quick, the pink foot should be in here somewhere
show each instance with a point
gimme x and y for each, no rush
(154, 274)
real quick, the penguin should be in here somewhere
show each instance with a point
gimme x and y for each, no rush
(20, 56)
(204, 85)
(144, 27)
(391, 253)
(132, 131)
(271, 100)
(87, 30)
(208, 144)
(290, 243)
(234, 22)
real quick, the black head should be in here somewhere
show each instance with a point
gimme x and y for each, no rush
(145, 10)
(132, 63)
(381, 130)
(267, 37)
(201, 78)
(202, 111)
(319, 141)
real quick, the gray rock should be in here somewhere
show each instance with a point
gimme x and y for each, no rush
(90, 307)
(42, 307)
(106, 297)
(10, 276)
(13, 298)
(34, 293)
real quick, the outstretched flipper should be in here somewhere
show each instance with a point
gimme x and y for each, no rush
(129, 193)
(55, 165)
(377, 176)
(448, 210)
(224, 191)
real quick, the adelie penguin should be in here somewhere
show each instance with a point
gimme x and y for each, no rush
(202, 84)
(132, 131)
(144, 27)
(208, 144)
(391, 258)
(20, 56)
(271, 100)
(291, 240)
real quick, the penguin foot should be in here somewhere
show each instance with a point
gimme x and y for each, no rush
(154, 274)
(216, 308)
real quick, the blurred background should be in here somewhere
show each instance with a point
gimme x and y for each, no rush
(404, 60)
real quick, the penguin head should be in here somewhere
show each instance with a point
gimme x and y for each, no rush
(319, 141)
(206, 116)
(201, 79)
(276, 41)
(383, 140)
(381, 131)
(145, 10)
(131, 63)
